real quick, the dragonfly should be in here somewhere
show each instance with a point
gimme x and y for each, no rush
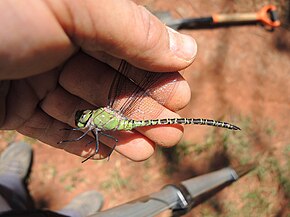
(125, 102)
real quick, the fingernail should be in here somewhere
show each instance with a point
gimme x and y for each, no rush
(183, 46)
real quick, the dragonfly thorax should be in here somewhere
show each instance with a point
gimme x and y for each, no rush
(101, 118)
(105, 119)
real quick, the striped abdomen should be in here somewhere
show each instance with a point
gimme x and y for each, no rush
(200, 121)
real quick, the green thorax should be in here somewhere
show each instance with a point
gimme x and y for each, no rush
(105, 119)
(108, 119)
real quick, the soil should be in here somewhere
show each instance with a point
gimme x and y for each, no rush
(242, 75)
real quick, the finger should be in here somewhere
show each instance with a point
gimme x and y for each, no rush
(131, 32)
(24, 96)
(131, 144)
(92, 80)
(21, 102)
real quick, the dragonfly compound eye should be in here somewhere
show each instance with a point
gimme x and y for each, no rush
(81, 118)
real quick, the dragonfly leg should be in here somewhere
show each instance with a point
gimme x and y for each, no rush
(77, 139)
(96, 135)
(88, 158)
(73, 129)
(113, 138)
(109, 136)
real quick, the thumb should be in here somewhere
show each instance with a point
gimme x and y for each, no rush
(128, 31)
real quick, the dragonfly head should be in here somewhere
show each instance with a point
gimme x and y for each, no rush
(82, 117)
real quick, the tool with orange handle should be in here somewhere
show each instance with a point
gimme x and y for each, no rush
(266, 15)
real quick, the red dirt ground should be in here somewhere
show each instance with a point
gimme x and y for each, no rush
(242, 75)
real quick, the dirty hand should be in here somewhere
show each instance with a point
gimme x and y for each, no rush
(53, 56)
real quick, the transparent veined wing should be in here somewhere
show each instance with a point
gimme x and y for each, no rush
(134, 92)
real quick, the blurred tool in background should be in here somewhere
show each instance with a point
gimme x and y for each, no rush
(266, 16)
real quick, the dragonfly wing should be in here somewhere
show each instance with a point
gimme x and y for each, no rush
(117, 87)
(134, 92)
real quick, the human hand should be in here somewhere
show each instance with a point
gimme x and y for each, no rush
(53, 56)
